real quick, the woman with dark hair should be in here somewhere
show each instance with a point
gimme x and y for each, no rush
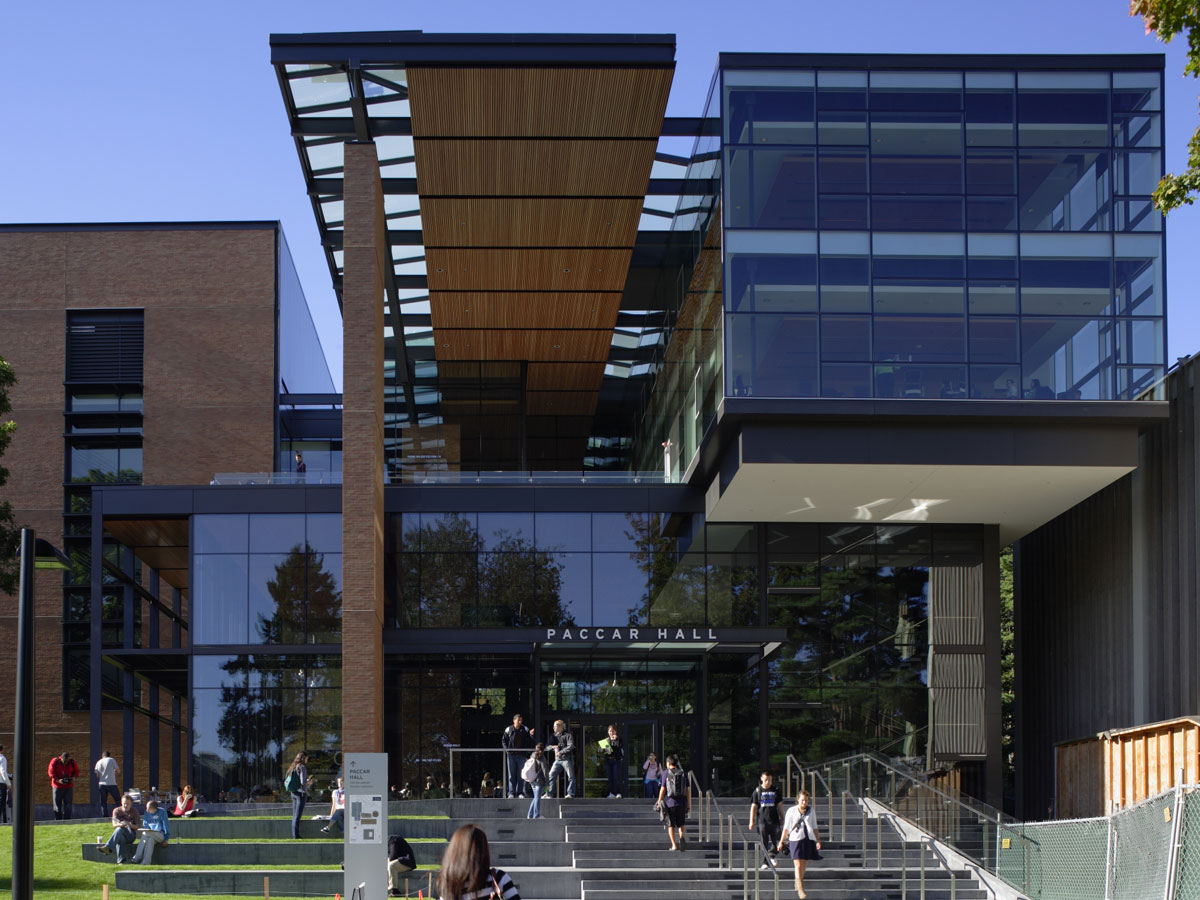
(467, 872)
(295, 782)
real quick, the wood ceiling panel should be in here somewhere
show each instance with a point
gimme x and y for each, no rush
(532, 345)
(527, 269)
(532, 168)
(560, 102)
(511, 309)
(529, 221)
(560, 403)
(551, 376)
(134, 533)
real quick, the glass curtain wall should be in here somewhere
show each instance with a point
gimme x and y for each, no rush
(488, 570)
(687, 376)
(944, 235)
(274, 581)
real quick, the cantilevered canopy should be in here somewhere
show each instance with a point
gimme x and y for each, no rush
(523, 175)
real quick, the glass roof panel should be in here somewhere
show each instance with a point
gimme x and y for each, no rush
(324, 156)
(395, 76)
(320, 90)
(382, 108)
(332, 211)
(393, 146)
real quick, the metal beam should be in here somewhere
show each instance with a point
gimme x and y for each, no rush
(655, 187)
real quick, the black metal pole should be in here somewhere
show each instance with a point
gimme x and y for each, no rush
(22, 830)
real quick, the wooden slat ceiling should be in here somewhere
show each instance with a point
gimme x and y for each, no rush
(528, 221)
(161, 544)
(531, 184)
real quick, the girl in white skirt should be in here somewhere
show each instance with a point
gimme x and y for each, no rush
(800, 835)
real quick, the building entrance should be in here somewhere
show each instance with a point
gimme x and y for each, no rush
(653, 703)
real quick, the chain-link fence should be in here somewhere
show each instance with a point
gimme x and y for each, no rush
(1146, 852)
(1187, 860)
(1150, 851)
(1067, 860)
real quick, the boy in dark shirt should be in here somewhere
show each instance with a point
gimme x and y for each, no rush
(766, 805)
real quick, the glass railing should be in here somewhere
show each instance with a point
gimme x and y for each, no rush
(410, 476)
(965, 824)
(313, 478)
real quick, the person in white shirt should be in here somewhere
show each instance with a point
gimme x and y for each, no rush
(801, 836)
(5, 784)
(106, 775)
(337, 809)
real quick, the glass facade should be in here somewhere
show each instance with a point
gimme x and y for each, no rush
(272, 580)
(488, 570)
(267, 579)
(942, 234)
(251, 714)
(854, 600)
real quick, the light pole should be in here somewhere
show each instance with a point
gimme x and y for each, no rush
(35, 554)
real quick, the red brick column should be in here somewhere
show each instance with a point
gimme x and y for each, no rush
(366, 254)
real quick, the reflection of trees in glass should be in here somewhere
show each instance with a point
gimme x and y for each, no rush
(98, 476)
(274, 706)
(307, 602)
(857, 647)
(453, 582)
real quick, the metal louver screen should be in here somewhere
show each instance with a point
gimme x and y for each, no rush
(105, 346)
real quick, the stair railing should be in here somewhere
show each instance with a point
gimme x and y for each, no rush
(794, 765)
(706, 801)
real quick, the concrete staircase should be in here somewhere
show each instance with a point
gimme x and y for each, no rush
(582, 850)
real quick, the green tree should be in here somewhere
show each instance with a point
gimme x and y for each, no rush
(1168, 18)
(1007, 672)
(10, 535)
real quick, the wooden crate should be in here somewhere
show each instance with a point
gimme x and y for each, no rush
(1078, 779)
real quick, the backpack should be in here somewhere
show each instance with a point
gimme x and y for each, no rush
(291, 784)
(529, 771)
(676, 786)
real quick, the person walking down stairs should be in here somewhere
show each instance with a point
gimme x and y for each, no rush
(802, 838)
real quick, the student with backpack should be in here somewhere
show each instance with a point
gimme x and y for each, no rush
(295, 782)
(675, 796)
(536, 773)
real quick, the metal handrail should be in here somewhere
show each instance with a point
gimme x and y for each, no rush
(977, 810)
(699, 793)
(814, 777)
(727, 859)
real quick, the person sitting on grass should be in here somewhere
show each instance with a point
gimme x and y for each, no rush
(154, 831)
(125, 822)
(337, 809)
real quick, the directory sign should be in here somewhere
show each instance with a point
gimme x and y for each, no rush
(365, 780)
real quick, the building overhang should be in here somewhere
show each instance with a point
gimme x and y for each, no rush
(1015, 465)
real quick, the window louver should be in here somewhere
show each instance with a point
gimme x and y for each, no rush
(105, 346)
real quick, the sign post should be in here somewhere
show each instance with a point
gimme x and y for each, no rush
(365, 780)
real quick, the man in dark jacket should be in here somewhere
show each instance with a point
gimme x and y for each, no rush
(400, 860)
(517, 742)
(62, 771)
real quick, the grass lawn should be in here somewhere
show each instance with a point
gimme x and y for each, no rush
(59, 870)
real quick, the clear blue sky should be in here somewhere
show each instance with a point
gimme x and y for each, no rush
(159, 111)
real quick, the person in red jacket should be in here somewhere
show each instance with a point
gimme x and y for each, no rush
(62, 771)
